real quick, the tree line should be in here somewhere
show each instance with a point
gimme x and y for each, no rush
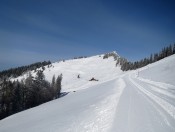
(15, 72)
(18, 96)
(165, 52)
(111, 54)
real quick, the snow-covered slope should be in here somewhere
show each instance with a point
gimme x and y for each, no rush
(162, 71)
(95, 66)
(90, 109)
(134, 101)
(147, 103)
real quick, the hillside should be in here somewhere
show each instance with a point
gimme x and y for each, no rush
(86, 68)
(133, 101)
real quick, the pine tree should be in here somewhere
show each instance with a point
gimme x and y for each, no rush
(174, 49)
(7, 94)
(17, 97)
(151, 58)
(53, 81)
(58, 85)
(37, 86)
(155, 57)
(170, 50)
(28, 91)
(40, 76)
(29, 80)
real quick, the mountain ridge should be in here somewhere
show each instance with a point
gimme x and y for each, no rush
(84, 67)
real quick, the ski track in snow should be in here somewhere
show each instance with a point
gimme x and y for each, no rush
(170, 109)
(157, 84)
(140, 109)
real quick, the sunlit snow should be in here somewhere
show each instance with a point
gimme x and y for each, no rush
(142, 100)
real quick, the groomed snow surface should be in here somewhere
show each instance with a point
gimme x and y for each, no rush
(136, 101)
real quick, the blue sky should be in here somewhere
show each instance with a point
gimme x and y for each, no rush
(37, 30)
